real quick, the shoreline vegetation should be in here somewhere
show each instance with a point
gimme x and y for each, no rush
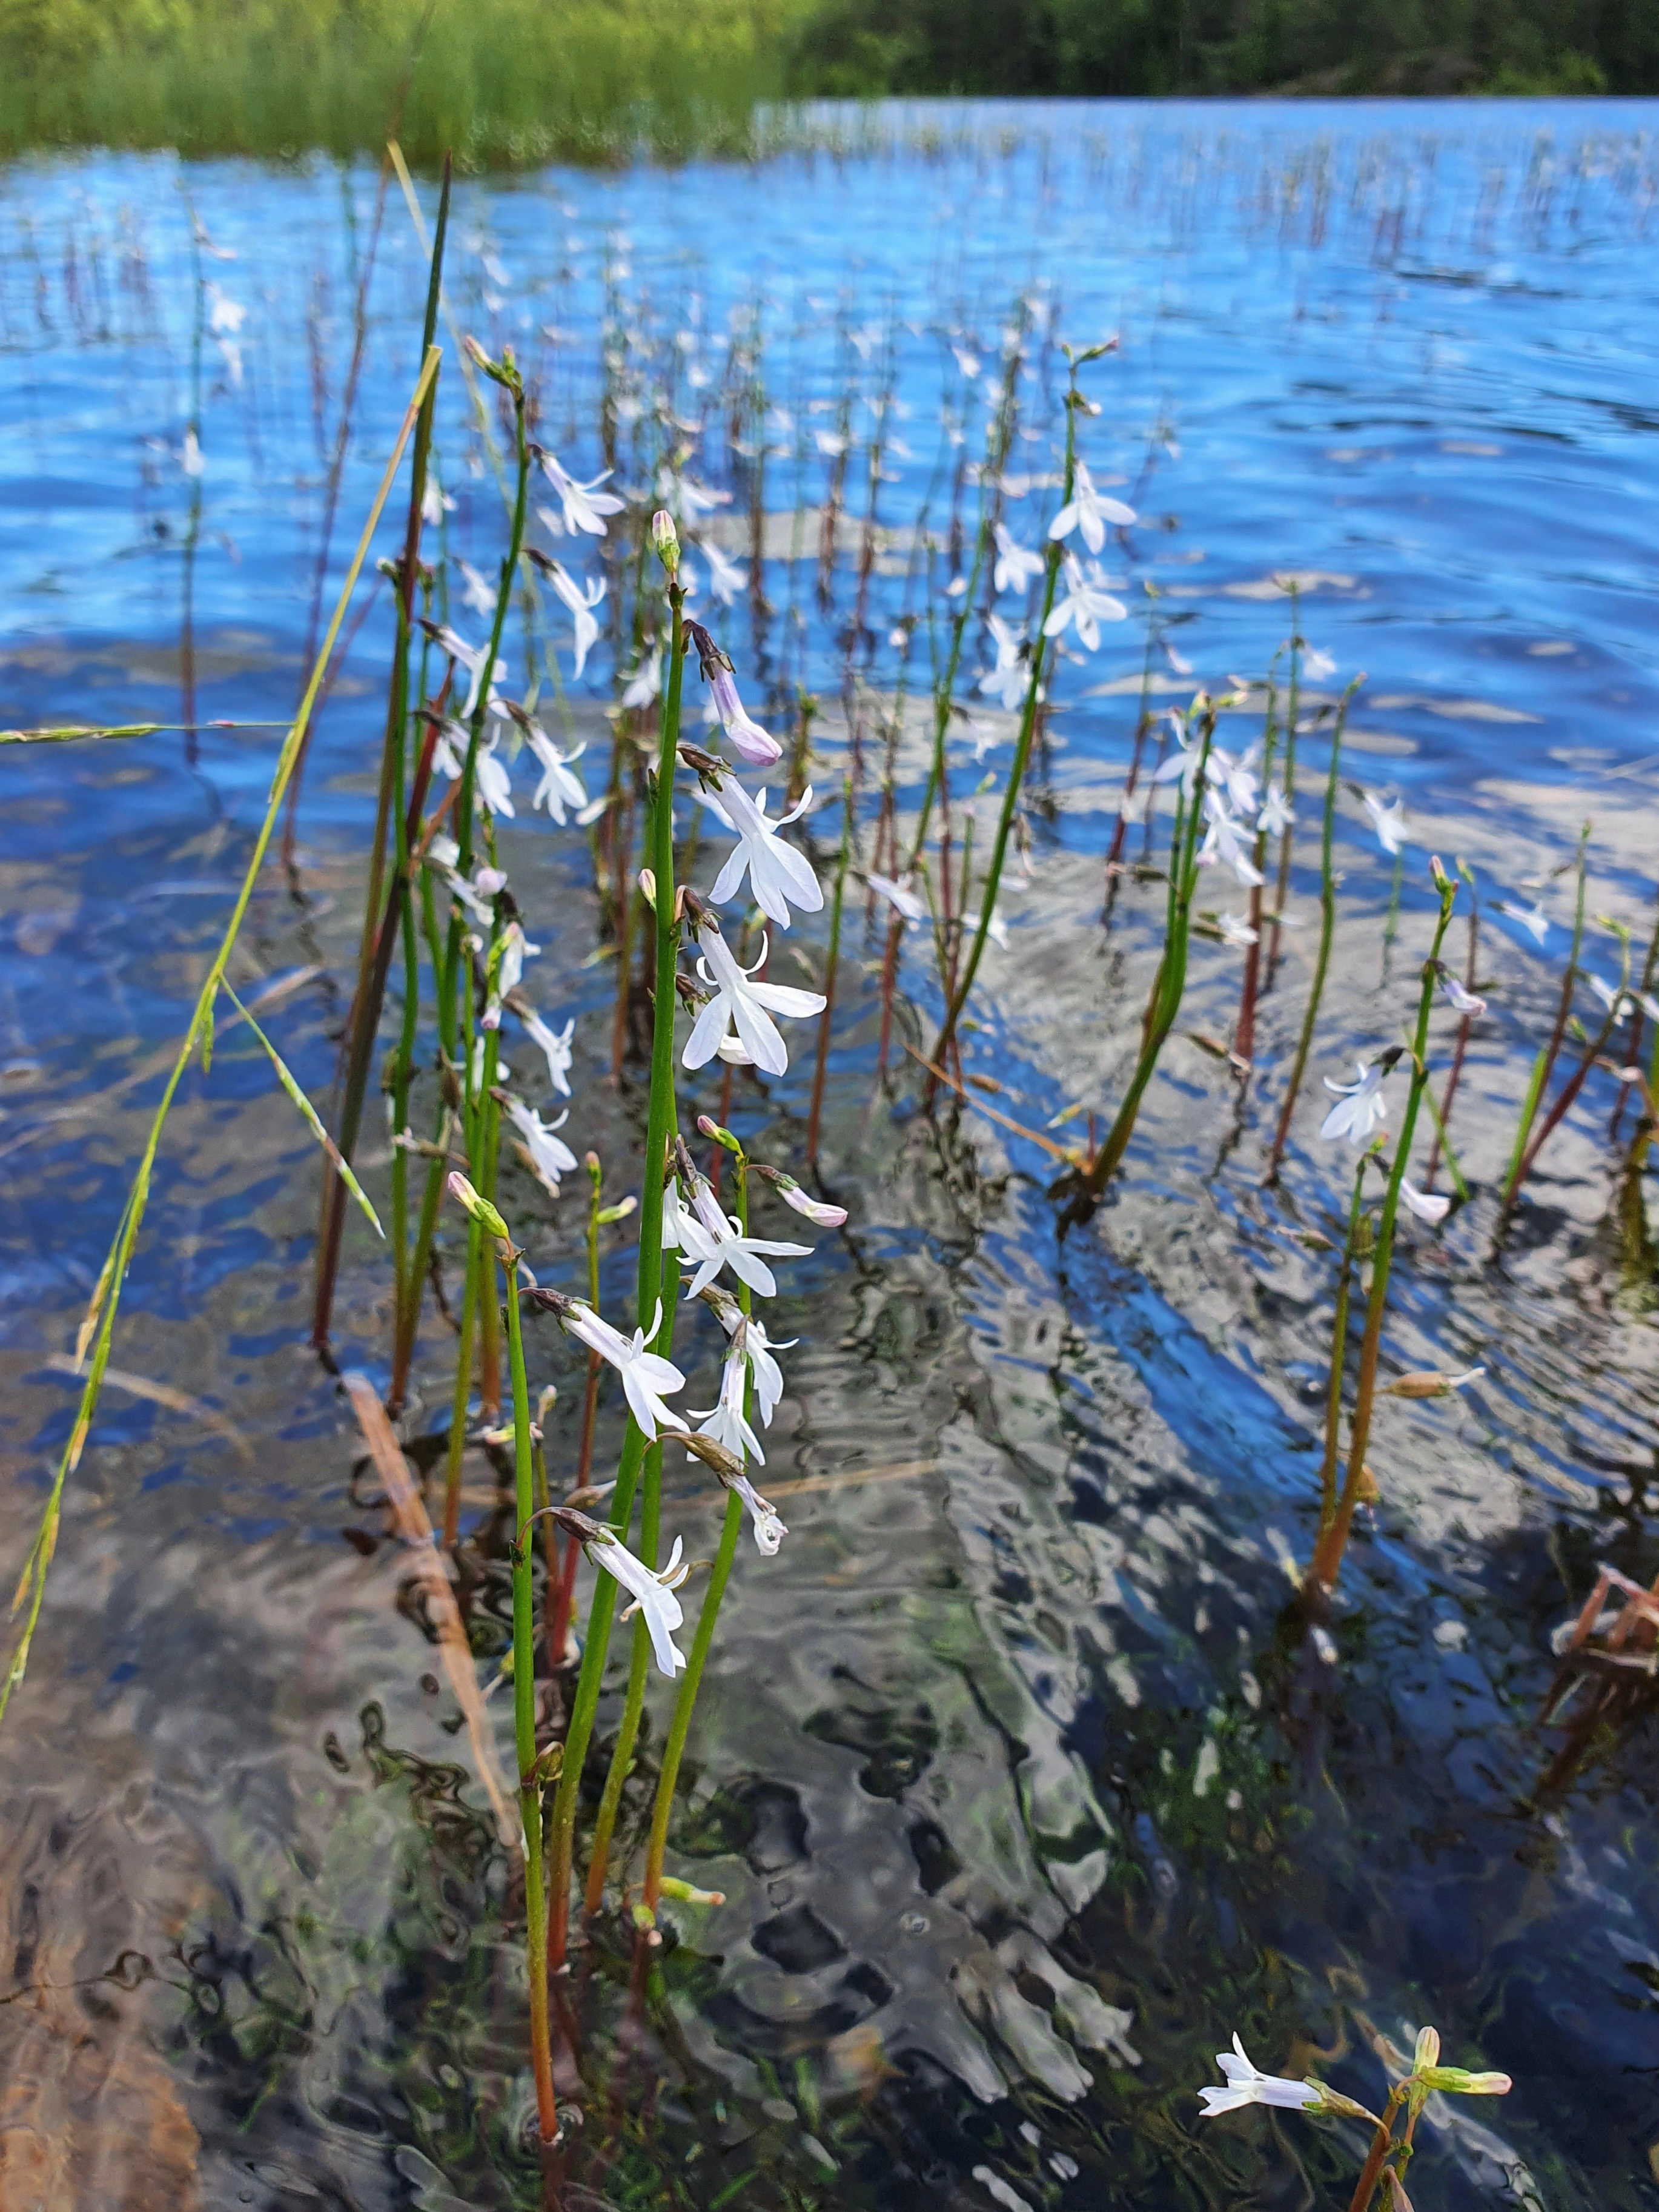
(512, 83)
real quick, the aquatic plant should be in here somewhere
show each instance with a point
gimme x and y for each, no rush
(1390, 2155)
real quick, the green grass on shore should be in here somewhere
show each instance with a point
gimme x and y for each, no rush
(504, 83)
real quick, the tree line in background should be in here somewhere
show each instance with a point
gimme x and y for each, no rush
(1158, 47)
(509, 82)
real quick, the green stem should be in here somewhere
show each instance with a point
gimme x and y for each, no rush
(1339, 1355)
(686, 1697)
(1332, 1540)
(1171, 983)
(1040, 652)
(660, 1125)
(523, 1706)
(1444, 1143)
(831, 963)
(1327, 930)
(1372, 2173)
(1547, 1059)
(463, 1390)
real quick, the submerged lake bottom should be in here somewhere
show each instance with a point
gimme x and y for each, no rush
(1016, 1787)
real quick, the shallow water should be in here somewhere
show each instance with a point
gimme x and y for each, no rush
(1019, 1801)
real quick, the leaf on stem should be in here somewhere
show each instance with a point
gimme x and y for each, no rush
(313, 1119)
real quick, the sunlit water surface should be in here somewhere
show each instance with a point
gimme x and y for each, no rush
(1018, 1805)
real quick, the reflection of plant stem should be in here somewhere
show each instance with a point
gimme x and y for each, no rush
(1334, 1527)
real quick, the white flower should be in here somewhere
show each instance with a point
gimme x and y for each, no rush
(190, 454)
(555, 1043)
(652, 1594)
(646, 1379)
(1388, 821)
(802, 1201)
(714, 1240)
(435, 501)
(899, 896)
(227, 315)
(777, 872)
(1016, 564)
(478, 593)
(581, 599)
(724, 1422)
(769, 1531)
(1619, 1003)
(1008, 678)
(831, 446)
(558, 788)
(1530, 918)
(767, 1376)
(1316, 666)
(1223, 843)
(747, 739)
(494, 787)
(472, 658)
(725, 578)
(1234, 931)
(646, 681)
(1361, 1107)
(1427, 1205)
(1237, 772)
(1461, 997)
(442, 853)
(514, 949)
(1183, 765)
(585, 505)
(1275, 816)
(740, 1003)
(550, 1158)
(1090, 511)
(1087, 603)
(1247, 2085)
(685, 496)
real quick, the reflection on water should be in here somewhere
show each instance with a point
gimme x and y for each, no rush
(1018, 1799)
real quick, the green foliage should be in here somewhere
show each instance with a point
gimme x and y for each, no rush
(502, 81)
(1124, 46)
(511, 82)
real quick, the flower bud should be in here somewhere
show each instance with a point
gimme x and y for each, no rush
(1428, 2049)
(1457, 2082)
(683, 1893)
(665, 539)
(710, 1128)
(480, 1208)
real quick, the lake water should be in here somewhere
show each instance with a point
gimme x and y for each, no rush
(1019, 1800)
